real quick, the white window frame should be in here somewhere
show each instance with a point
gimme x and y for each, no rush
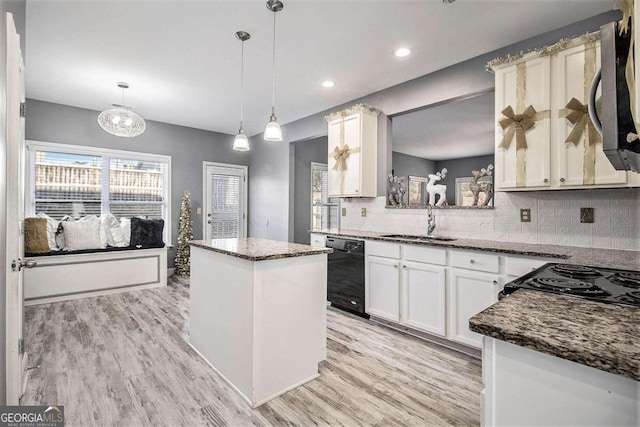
(323, 167)
(205, 193)
(33, 146)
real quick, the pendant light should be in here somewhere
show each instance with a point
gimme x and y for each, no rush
(241, 142)
(119, 120)
(272, 131)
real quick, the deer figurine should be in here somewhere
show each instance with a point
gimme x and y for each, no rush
(485, 187)
(439, 189)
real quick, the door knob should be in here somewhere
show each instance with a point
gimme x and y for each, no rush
(20, 264)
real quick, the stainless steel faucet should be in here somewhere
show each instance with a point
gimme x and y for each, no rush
(431, 222)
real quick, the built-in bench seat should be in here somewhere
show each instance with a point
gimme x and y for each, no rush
(64, 275)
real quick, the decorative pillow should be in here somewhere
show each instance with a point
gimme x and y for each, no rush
(103, 233)
(52, 227)
(82, 235)
(147, 233)
(35, 236)
(125, 224)
(60, 231)
(115, 235)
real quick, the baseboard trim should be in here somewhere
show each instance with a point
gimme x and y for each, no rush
(442, 342)
(171, 272)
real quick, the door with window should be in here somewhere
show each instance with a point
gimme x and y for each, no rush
(225, 201)
(324, 209)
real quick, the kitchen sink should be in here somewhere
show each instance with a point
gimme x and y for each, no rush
(415, 237)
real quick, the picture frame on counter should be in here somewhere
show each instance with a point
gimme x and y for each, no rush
(464, 196)
(417, 191)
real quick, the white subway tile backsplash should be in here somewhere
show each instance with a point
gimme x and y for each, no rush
(555, 218)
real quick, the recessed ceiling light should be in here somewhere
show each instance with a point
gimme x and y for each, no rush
(402, 52)
(328, 83)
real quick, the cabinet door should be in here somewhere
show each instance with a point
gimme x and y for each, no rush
(345, 182)
(470, 292)
(423, 295)
(580, 164)
(520, 86)
(383, 288)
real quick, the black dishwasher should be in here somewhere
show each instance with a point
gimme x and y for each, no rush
(345, 275)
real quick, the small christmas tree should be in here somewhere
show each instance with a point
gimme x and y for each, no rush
(185, 233)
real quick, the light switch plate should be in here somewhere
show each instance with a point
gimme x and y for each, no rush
(586, 215)
(525, 215)
(363, 212)
(344, 211)
(198, 211)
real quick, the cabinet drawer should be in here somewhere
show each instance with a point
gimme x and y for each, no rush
(387, 250)
(476, 261)
(424, 254)
(521, 266)
(318, 240)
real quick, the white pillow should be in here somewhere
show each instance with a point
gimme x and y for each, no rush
(115, 235)
(125, 224)
(103, 233)
(82, 235)
(52, 227)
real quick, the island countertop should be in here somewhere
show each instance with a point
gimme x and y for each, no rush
(593, 257)
(603, 336)
(254, 249)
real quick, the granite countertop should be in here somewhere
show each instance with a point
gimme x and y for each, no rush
(594, 257)
(603, 336)
(254, 249)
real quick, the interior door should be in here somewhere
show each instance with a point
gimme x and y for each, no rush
(225, 201)
(16, 357)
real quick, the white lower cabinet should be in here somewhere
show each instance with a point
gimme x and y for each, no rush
(423, 297)
(470, 292)
(383, 290)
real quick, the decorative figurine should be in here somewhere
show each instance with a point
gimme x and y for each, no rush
(439, 189)
(396, 190)
(485, 187)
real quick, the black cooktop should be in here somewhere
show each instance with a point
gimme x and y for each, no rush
(597, 284)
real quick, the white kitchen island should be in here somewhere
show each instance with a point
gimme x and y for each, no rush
(258, 313)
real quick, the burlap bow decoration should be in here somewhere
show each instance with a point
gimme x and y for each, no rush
(578, 116)
(340, 155)
(517, 124)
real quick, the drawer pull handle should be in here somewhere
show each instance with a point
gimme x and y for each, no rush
(471, 261)
(495, 282)
(395, 265)
(404, 267)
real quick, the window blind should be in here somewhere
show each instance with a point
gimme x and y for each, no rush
(226, 214)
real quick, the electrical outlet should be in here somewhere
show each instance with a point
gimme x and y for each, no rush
(586, 215)
(363, 212)
(344, 211)
(525, 215)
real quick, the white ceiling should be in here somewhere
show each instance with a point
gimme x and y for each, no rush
(463, 128)
(182, 60)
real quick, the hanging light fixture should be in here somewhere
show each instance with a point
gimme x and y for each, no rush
(272, 131)
(119, 120)
(241, 142)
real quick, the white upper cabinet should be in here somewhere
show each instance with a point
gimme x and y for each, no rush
(558, 147)
(352, 157)
(523, 125)
(579, 158)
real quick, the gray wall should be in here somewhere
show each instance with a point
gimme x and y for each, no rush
(187, 147)
(405, 165)
(306, 152)
(460, 79)
(460, 168)
(17, 8)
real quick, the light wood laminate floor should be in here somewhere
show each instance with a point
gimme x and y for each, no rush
(123, 360)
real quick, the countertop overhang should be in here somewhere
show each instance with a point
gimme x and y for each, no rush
(254, 249)
(594, 257)
(603, 336)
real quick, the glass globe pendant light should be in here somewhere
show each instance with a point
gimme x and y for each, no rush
(241, 142)
(119, 120)
(272, 131)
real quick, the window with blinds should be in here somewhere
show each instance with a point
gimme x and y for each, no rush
(78, 181)
(324, 210)
(226, 206)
